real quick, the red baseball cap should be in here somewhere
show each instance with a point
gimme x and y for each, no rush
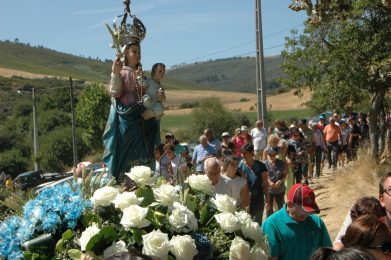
(304, 196)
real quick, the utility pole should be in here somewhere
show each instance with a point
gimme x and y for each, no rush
(35, 133)
(74, 144)
(260, 71)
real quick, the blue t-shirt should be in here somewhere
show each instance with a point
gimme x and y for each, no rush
(291, 240)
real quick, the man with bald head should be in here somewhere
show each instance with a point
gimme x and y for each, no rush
(201, 152)
(222, 184)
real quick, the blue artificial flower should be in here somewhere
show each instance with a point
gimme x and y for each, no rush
(53, 208)
(204, 246)
(50, 221)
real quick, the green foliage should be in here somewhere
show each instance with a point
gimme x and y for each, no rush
(102, 240)
(231, 74)
(342, 59)
(189, 105)
(51, 119)
(12, 162)
(92, 111)
(212, 114)
(57, 150)
(58, 99)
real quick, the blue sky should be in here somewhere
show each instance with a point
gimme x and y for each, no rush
(178, 31)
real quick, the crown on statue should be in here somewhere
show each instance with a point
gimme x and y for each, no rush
(126, 32)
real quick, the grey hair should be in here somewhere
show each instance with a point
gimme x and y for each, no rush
(211, 162)
(202, 137)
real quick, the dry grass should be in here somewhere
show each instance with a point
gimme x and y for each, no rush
(232, 100)
(337, 191)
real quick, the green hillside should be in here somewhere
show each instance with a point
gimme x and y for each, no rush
(232, 74)
(45, 61)
(50, 62)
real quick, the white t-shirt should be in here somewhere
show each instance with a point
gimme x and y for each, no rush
(259, 138)
(237, 185)
(224, 186)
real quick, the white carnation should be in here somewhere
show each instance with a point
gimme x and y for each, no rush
(183, 247)
(104, 196)
(228, 222)
(156, 245)
(201, 183)
(142, 175)
(166, 194)
(87, 235)
(116, 247)
(224, 203)
(135, 216)
(240, 249)
(125, 199)
(182, 219)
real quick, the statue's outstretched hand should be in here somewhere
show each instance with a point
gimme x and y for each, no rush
(117, 66)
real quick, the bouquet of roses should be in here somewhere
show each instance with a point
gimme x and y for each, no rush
(162, 221)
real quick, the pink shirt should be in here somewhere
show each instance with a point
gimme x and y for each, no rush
(238, 142)
(127, 95)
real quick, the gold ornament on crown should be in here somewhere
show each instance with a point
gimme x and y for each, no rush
(126, 33)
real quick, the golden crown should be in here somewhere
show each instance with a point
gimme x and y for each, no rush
(126, 33)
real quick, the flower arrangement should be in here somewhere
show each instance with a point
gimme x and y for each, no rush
(157, 219)
(52, 211)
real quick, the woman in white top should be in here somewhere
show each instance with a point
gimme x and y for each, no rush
(240, 191)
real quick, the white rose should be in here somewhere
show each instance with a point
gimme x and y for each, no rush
(142, 175)
(182, 219)
(201, 183)
(227, 221)
(87, 234)
(183, 247)
(116, 247)
(166, 194)
(240, 249)
(242, 216)
(156, 245)
(224, 203)
(134, 216)
(126, 199)
(104, 196)
(257, 253)
(252, 230)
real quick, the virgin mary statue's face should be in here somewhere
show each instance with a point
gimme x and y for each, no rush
(133, 55)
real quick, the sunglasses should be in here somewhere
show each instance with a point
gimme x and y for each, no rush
(387, 191)
(386, 248)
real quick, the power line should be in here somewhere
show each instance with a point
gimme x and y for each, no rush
(245, 43)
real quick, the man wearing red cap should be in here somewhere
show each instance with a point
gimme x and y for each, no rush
(294, 232)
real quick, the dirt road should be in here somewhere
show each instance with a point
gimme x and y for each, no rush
(336, 191)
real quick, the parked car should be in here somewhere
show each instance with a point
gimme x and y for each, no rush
(29, 179)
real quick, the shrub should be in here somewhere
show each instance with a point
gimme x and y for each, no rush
(213, 115)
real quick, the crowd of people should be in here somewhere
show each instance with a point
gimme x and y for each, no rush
(272, 169)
